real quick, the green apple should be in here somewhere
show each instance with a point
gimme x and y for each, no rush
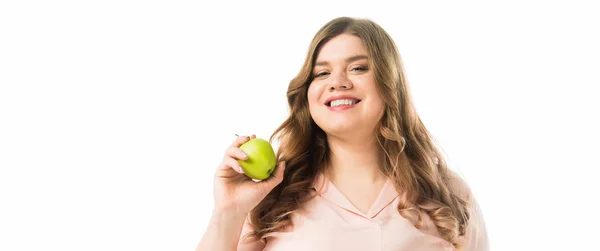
(261, 159)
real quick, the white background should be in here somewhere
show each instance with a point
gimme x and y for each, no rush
(114, 114)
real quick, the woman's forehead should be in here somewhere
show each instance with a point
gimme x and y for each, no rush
(341, 48)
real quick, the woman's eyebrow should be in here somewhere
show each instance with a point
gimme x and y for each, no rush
(348, 60)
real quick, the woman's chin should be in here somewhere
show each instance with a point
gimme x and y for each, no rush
(347, 129)
(342, 131)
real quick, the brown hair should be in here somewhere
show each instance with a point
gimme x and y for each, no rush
(412, 161)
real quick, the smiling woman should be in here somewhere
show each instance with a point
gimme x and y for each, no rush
(343, 98)
(357, 168)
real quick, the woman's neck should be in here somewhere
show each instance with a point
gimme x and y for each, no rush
(352, 158)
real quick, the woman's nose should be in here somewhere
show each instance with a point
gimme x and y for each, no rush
(339, 82)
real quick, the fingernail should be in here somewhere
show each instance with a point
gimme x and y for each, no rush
(244, 155)
(241, 170)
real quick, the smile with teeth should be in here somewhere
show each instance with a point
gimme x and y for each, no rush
(341, 102)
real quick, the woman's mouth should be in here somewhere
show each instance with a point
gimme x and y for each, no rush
(343, 102)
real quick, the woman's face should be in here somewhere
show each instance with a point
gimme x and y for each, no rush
(343, 98)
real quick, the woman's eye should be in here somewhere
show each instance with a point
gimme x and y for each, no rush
(321, 74)
(360, 68)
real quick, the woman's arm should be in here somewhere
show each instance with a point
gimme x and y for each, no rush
(476, 237)
(235, 195)
(223, 232)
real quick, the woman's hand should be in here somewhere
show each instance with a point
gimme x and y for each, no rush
(235, 192)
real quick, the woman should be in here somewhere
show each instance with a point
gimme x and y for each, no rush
(358, 169)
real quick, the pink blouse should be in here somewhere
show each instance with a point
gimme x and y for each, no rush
(330, 222)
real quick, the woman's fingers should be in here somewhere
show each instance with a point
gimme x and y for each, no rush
(241, 140)
(236, 153)
(233, 153)
(233, 164)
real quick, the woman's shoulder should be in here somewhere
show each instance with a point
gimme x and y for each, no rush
(459, 186)
(476, 238)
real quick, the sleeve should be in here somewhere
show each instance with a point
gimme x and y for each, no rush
(476, 237)
(246, 245)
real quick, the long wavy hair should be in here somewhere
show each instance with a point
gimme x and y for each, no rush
(412, 161)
